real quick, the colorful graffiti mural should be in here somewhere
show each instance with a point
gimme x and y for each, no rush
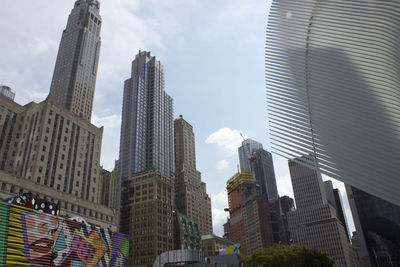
(32, 238)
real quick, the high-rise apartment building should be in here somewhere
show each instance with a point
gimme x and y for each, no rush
(378, 228)
(314, 223)
(146, 161)
(147, 135)
(191, 196)
(52, 152)
(245, 153)
(333, 91)
(75, 71)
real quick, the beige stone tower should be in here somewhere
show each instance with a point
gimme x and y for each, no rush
(190, 192)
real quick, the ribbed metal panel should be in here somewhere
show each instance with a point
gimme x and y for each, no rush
(332, 79)
(32, 238)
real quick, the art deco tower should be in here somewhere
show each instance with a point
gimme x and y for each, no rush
(74, 77)
(146, 161)
(191, 196)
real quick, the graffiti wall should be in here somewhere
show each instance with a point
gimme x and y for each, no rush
(32, 238)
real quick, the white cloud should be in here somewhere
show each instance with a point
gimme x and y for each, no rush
(112, 121)
(219, 218)
(228, 140)
(41, 46)
(222, 164)
(219, 202)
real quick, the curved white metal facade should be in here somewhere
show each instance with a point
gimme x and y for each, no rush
(333, 88)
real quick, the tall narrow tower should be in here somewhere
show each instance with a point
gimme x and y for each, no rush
(191, 196)
(146, 161)
(74, 77)
(147, 137)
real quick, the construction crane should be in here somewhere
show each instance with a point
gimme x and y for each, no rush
(242, 136)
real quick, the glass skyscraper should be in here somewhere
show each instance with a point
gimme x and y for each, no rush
(147, 129)
(253, 158)
(245, 152)
(75, 72)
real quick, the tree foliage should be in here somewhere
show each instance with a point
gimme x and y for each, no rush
(289, 256)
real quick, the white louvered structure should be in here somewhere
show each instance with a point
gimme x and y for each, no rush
(333, 88)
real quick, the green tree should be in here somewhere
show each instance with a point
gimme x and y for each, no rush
(289, 256)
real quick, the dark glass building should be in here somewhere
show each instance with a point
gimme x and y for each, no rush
(378, 226)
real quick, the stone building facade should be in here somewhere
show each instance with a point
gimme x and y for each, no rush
(191, 197)
(146, 215)
(50, 151)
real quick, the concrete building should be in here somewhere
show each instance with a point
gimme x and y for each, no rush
(75, 71)
(378, 228)
(50, 151)
(191, 196)
(331, 100)
(186, 232)
(212, 244)
(245, 153)
(7, 92)
(314, 223)
(146, 159)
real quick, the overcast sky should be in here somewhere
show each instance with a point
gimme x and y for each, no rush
(213, 55)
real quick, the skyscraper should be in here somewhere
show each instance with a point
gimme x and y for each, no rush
(314, 223)
(253, 158)
(245, 153)
(335, 200)
(75, 71)
(191, 196)
(147, 134)
(146, 161)
(333, 89)
(264, 173)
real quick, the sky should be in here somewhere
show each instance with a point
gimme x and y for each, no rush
(213, 57)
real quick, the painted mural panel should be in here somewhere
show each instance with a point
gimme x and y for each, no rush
(32, 238)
